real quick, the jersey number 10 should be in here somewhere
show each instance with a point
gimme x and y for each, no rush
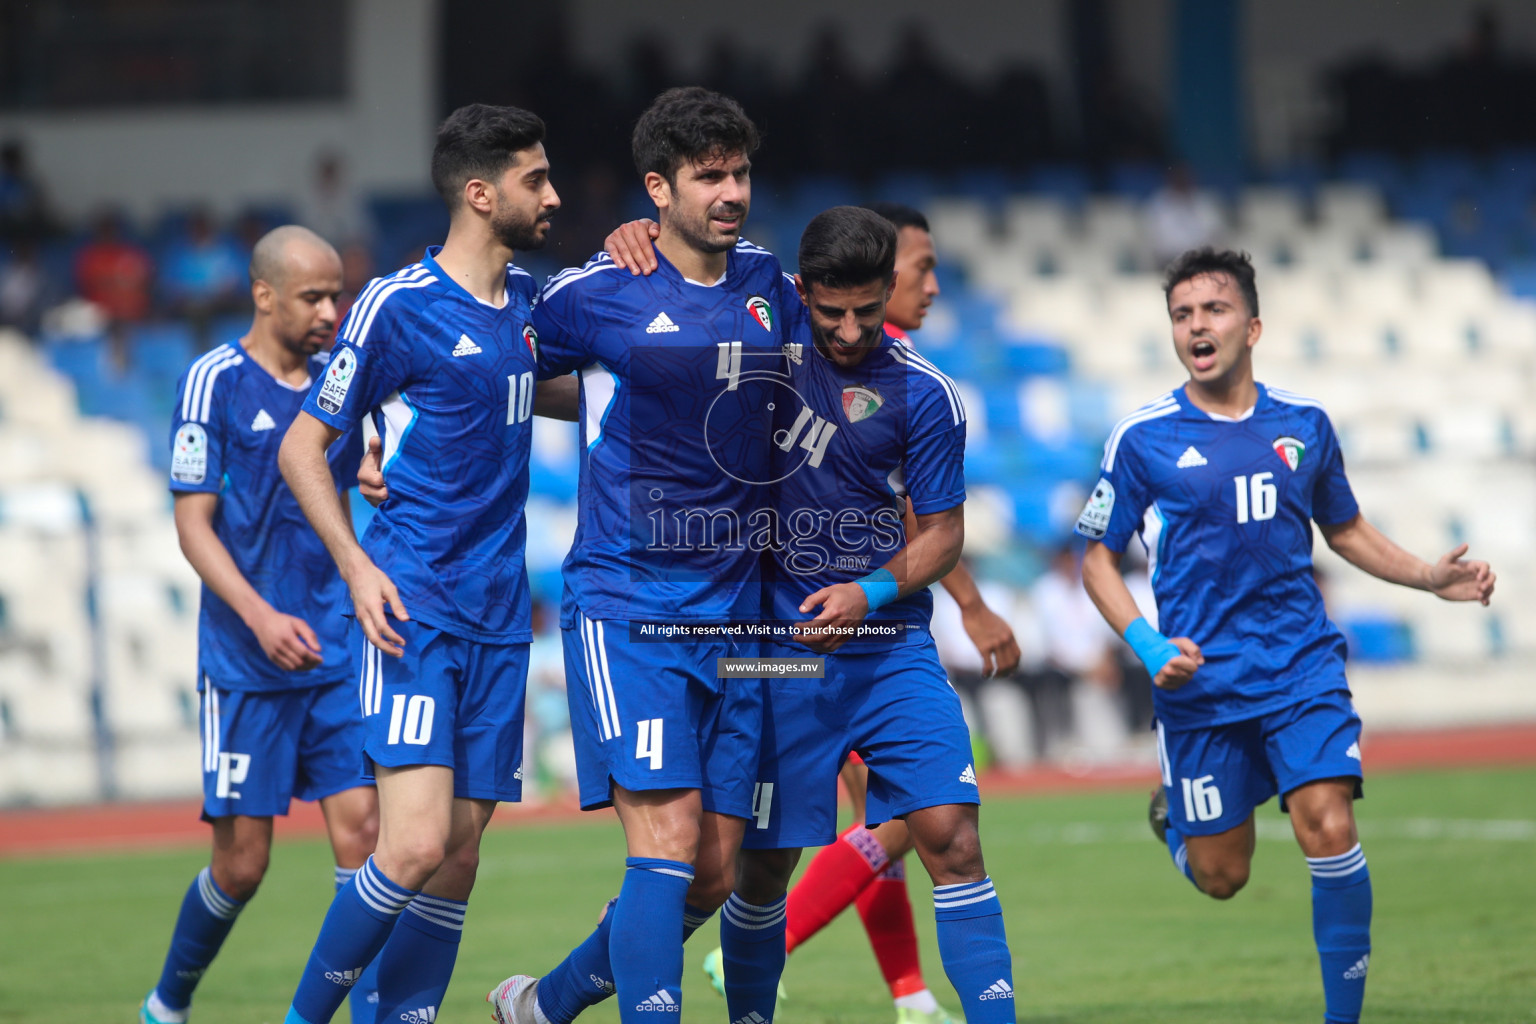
(519, 397)
(1256, 494)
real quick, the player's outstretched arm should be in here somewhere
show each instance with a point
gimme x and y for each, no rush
(630, 246)
(932, 551)
(302, 461)
(1171, 663)
(286, 639)
(1452, 578)
(992, 636)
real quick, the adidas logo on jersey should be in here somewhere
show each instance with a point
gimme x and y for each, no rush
(752, 1018)
(662, 1001)
(465, 347)
(1357, 972)
(969, 775)
(999, 989)
(426, 1015)
(1190, 458)
(263, 421)
(1353, 751)
(662, 325)
(346, 979)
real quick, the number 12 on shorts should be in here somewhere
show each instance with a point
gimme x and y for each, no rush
(648, 741)
(1202, 800)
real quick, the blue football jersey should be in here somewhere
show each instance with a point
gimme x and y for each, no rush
(448, 381)
(677, 390)
(229, 421)
(851, 447)
(1225, 507)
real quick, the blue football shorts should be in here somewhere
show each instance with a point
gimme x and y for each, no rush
(262, 748)
(1215, 777)
(447, 701)
(654, 715)
(894, 707)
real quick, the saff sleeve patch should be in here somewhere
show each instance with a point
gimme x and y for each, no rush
(189, 454)
(1094, 522)
(340, 372)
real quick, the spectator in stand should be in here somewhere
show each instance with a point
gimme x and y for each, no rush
(23, 206)
(1180, 217)
(333, 209)
(203, 274)
(996, 701)
(356, 272)
(25, 290)
(1080, 654)
(115, 274)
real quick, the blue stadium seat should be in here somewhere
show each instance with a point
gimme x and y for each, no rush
(1302, 175)
(1026, 356)
(1136, 180)
(1066, 182)
(84, 361)
(1520, 278)
(914, 188)
(161, 350)
(551, 481)
(989, 185)
(1380, 169)
(1377, 638)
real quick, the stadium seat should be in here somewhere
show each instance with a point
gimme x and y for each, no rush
(162, 767)
(49, 713)
(1271, 211)
(1350, 206)
(1402, 244)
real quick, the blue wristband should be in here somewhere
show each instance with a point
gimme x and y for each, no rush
(1154, 649)
(880, 588)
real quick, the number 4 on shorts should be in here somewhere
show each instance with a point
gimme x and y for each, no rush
(648, 741)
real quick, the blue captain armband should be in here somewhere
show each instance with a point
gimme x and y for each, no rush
(1154, 649)
(880, 588)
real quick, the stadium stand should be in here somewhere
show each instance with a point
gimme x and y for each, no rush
(1052, 322)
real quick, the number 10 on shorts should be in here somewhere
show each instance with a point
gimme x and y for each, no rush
(410, 719)
(1202, 800)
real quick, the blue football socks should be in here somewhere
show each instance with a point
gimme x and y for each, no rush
(974, 949)
(1341, 924)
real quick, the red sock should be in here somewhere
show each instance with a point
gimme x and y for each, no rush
(832, 880)
(887, 914)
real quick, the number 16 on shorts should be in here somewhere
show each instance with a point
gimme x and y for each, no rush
(1202, 800)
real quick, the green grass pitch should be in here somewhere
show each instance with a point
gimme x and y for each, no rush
(1102, 928)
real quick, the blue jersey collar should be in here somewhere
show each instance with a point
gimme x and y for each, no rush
(1181, 396)
(430, 260)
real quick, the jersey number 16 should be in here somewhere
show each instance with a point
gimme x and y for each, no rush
(1257, 495)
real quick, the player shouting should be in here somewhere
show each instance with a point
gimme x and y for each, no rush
(1223, 478)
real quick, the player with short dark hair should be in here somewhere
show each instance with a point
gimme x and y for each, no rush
(1223, 478)
(279, 716)
(441, 357)
(864, 867)
(675, 437)
(887, 493)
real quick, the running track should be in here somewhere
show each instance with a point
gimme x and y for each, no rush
(174, 824)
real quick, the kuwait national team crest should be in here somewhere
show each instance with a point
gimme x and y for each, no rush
(531, 339)
(761, 311)
(860, 403)
(1290, 450)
